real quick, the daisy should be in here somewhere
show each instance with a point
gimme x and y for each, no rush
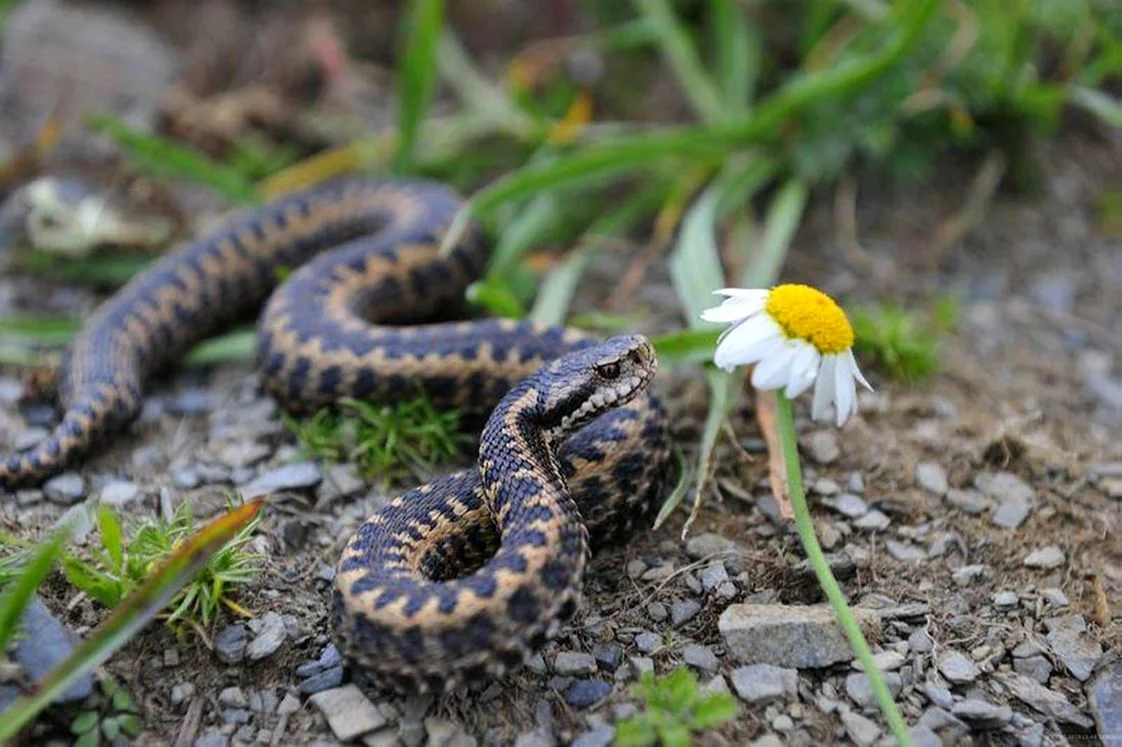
(798, 337)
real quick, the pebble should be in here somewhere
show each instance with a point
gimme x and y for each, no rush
(1005, 599)
(657, 611)
(263, 701)
(608, 656)
(759, 683)
(242, 454)
(298, 476)
(444, 733)
(683, 611)
(797, 637)
(1054, 597)
(860, 690)
(659, 572)
(826, 486)
(1034, 667)
(1004, 486)
(321, 681)
(874, 521)
(236, 716)
(339, 481)
(601, 736)
(648, 642)
(932, 477)
(185, 477)
(886, 661)
(1046, 701)
(861, 730)
(700, 657)
(289, 705)
(957, 667)
(903, 552)
(938, 695)
(822, 446)
(230, 644)
(1011, 513)
(348, 712)
(968, 501)
(44, 644)
(536, 664)
(573, 663)
(783, 723)
(211, 738)
(583, 693)
(1046, 557)
(119, 493)
(1079, 653)
(849, 505)
(1104, 700)
(328, 658)
(233, 697)
(181, 692)
(714, 575)
(640, 665)
(709, 543)
(964, 575)
(67, 488)
(920, 642)
(982, 713)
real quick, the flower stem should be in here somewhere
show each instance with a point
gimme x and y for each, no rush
(786, 422)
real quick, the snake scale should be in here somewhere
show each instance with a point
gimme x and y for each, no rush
(466, 576)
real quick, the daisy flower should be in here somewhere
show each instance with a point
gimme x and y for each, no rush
(798, 337)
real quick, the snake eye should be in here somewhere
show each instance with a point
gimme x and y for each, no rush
(608, 370)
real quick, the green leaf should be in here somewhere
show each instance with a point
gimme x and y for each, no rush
(110, 529)
(130, 724)
(83, 722)
(675, 735)
(90, 738)
(416, 80)
(679, 689)
(104, 588)
(16, 597)
(497, 297)
(1102, 105)
(687, 346)
(714, 710)
(110, 728)
(636, 731)
(239, 345)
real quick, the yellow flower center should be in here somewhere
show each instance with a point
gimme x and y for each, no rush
(809, 314)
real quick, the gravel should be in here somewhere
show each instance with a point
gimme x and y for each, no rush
(1048, 702)
(683, 611)
(957, 667)
(789, 636)
(270, 633)
(230, 644)
(584, 693)
(67, 488)
(299, 476)
(700, 657)
(1068, 638)
(759, 683)
(932, 477)
(348, 712)
(1104, 700)
(1046, 557)
(574, 663)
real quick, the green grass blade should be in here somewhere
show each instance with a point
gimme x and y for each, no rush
(43, 330)
(681, 56)
(111, 537)
(685, 347)
(783, 217)
(130, 616)
(739, 49)
(18, 595)
(1102, 105)
(238, 345)
(416, 80)
(104, 272)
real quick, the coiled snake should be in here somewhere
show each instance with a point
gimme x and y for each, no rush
(463, 577)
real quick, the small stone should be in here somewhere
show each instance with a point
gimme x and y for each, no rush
(601, 736)
(119, 493)
(659, 572)
(826, 486)
(1054, 597)
(956, 667)
(299, 476)
(967, 574)
(796, 637)
(1011, 513)
(1046, 557)
(348, 712)
(1078, 652)
(233, 697)
(920, 642)
(181, 693)
(822, 446)
(1049, 702)
(29, 438)
(932, 477)
(886, 661)
(289, 705)
(536, 664)
(850, 505)
(211, 738)
(860, 691)
(683, 611)
(236, 716)
(583, 693)
(640, 664)
(657, 611)
(321, 681)
(1005, 599)
(861, 730)
(714, 575)
(708, 543)
(716, 685)
(263, 701)
(726, 591)
(700, 657)
(230, 644)
(759, 683)
(608, 656)
(339, 481)
(270, 635)
(1005, 485)
(636, 568)
(782, 723)
(982, 713)
(444, 733)
(905, 553)
(648, 642)
(968, 501)
(874, 521)
(242, 454)
(171, 657)
(938, 695)
(67, 488)
(1104, 700)
(574, 663)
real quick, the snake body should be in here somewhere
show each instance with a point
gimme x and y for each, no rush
(465, 576)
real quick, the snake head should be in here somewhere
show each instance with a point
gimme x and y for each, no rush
(588, 382)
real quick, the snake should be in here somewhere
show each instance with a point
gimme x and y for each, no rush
(467, 576)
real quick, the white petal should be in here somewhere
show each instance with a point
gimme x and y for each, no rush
(845, 393)
(774, 369)
(824, 389)
(857, 371)
(729, 312)
(755, 295)
(804, 369)
(746, 342)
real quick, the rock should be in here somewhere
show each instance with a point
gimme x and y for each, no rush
(860, 690)
(235, 716)
(211, 738)
(714, 575)
(328, 658)
(601, 736)
(608, 656)
(1036, 668)
(181, 692)
(657, 611)
(444, 733)
(886, 661)
(949, 728)
(348, 712)
(903, 552)
(299, 476)
(270, 634)
(822, 446)
(965, 575)
(1054, 597)
(659, 572)
(981, 713)
(759, 683)
(339, 481)
(583, 693)
(44, 644)
(861, 730)
(700, 657)
(683, 611)
(233, 697)
(874, 521)
(1005, 600)
(67, 488)
(289, 705)
(968, 501)
(648, 642)
(263, 701)
(640, 665)
(938, 695)
(1079, 653)
(920, 642)
(574, 663)
(320, 681)
(956, 667)
(1104, 699)
(238, 454)
(708, 544)
(119, 493)
(1004, 486)
(185, 477)
(1046, 557)
(924, 737)
(796, 637)
(1011, 513)
(849, 505)
(229, 644)
(932, 477)
(1049, 702)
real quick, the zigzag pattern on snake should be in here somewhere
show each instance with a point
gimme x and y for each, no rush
(465, 576)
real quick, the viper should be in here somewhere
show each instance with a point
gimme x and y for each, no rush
(463, 577)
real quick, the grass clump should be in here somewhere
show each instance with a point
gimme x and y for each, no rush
(905, 345)
(674, 708)
(388, 441)
(116, 568)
